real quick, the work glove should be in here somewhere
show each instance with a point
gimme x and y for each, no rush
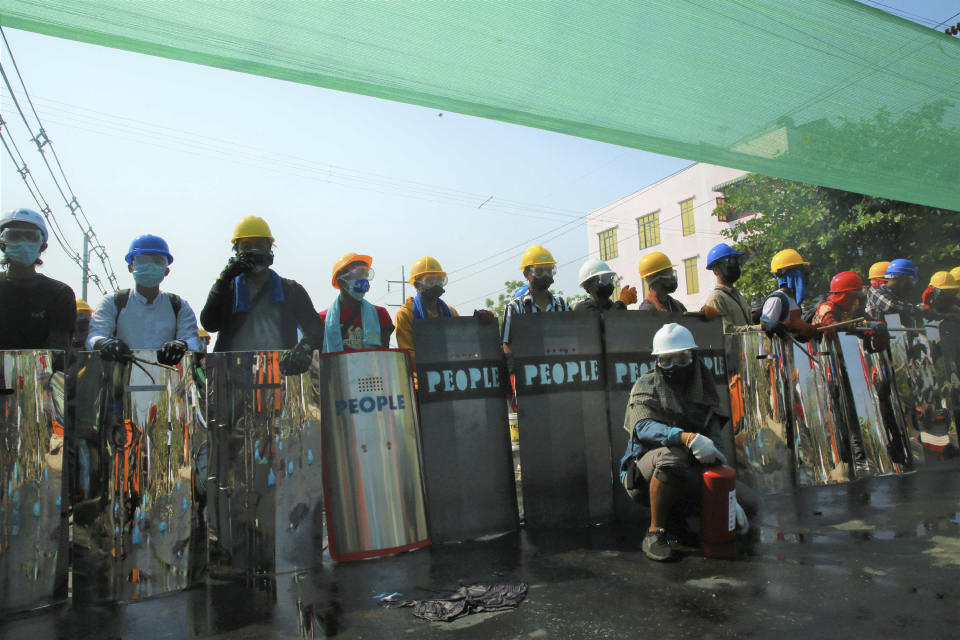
(236, 265)
(704, 450)
(927, 296)
(709, 313)
(172, 352)
(295, 361)
(485, 317)
(743, 525)
(628, 295)
(114, 349)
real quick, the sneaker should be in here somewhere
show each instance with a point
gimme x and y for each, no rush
(656, 547)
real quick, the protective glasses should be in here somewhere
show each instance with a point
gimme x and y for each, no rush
(150, 258)
(21, 235)
(666, 274)
(438, 280)
(358, 273)
(253, 244)
(545, 270)
(607, 278)
(730, 261)
(678, 359)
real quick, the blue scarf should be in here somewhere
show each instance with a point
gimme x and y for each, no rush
(241, 292)
(420, 312)
(370, 323)
(796, 281)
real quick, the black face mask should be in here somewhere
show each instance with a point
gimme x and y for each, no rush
(259, 259)
(542, 283)
(670, 285)
(604, 291)
(730, 272)
(432, 292)
(678, 376)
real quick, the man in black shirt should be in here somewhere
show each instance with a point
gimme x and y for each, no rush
(36, 312)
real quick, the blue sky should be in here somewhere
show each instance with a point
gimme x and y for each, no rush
(183, 151)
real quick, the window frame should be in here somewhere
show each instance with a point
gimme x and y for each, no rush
(687, 271)
(655, 231)
(610, 233)
(683, 223)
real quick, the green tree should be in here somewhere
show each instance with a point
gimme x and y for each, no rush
(834, 230)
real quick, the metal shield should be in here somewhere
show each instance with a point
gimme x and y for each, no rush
(924, 385)
(33, 505)
(373, 482)
(628, 337)
(265, 508)
(137, 530)
(564, 439)
(468, 461)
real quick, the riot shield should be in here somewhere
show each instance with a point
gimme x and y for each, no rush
(820, 435)
(33, 505)
(136, 529)
(628, 337)
(872, 406)
(762, 430)
(372, 478)
(564, 440)
(468, 462)
(265, 507)
(924, 388)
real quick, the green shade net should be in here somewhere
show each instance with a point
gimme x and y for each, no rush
(824, 91)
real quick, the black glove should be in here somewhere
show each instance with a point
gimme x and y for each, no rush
(236, 265)
(295, 361)
(485, 317)
(172, 352)
(114, 349)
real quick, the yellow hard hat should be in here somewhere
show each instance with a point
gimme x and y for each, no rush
(878, 269)
(252, 227)
(536, 256)
(955, 272)
(425, 265)
(943, 280)
(346, 259)
(203, 333)
(83, 306)
(785, 259)
(654, 262)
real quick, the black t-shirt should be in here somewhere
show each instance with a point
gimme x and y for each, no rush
(30, 310)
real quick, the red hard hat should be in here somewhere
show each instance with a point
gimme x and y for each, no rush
(845, 281)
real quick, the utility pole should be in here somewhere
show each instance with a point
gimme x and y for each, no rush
(403, 286)
(86, 266)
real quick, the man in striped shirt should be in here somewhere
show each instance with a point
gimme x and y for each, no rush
(539, 267)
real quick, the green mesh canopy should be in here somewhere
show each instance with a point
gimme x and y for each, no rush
(824, 91)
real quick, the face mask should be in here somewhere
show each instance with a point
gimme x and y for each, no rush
(149, 275)
(356, 288)
(669, 284)
(730, 272)
(604, 291)
(678, 375)
(433, 292)
(542, 283)
(260, 258)
(23, 254)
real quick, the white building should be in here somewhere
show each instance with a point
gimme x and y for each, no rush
(673, 216)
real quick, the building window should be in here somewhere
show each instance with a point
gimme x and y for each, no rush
(608, 244)
(686, 216)
(643, 289)
(648, 229)
(693, 280)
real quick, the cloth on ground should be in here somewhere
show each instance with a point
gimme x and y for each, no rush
(468, 599)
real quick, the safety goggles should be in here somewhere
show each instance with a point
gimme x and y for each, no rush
(607, 278)
(253, 244)
(678, 359)
(21, 235)
(150, 258)
(730, 261)
(666, 274)
(545, 270)
(358, 273)
(438, 280)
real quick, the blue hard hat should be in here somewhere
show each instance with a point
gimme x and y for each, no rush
(149, 244)
(719, 252)
(902, 267)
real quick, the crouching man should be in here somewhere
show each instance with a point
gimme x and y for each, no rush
(674, 425)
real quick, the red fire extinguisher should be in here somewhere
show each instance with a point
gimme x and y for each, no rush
(718, 518)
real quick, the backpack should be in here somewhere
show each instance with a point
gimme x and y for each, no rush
(120, 301)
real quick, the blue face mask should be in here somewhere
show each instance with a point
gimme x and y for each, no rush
(23, 254)
(795, 281)
(357, 288)
(149, 275)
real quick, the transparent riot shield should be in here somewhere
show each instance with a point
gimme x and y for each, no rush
(878, 432)
(373, 482)
(924, 384)
(33, 525)
(264, 485)
(564, 439)
(762, 430)
(628, 337)
(137, 529)
(468, 462)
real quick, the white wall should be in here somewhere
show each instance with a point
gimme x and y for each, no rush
(696, 182)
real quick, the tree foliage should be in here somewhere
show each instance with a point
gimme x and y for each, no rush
(834, 230)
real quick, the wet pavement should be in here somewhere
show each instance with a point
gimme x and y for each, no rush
(874, 558)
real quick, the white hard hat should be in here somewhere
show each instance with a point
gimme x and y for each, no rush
(593, 267)
(671, 338)
(26, 215)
